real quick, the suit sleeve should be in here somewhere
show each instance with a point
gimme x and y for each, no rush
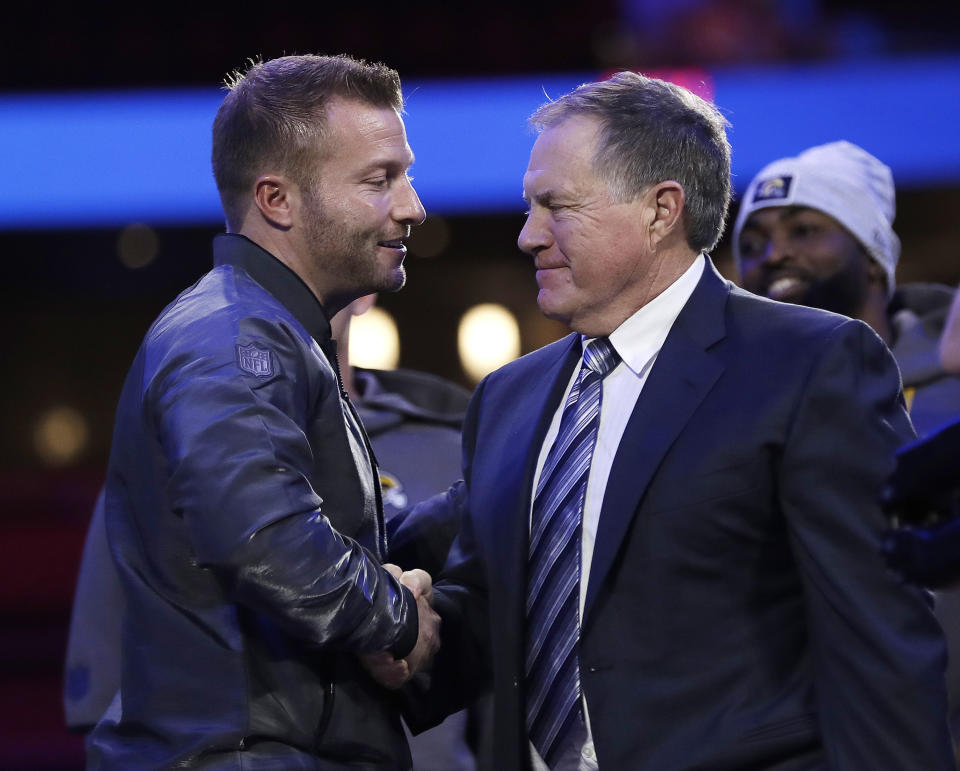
(239, 464)
(420, 536)
(877, 650)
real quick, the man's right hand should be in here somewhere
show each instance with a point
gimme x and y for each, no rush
(419, 582)
(391, 672)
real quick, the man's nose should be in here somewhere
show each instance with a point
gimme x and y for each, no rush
(534, 235)
(775, 251)
(408, 209)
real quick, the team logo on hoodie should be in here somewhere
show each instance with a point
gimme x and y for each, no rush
(392, 491)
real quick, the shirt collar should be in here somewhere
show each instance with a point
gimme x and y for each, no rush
(641, 336)
(278, 279)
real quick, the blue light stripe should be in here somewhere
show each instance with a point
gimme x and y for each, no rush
(110, 158)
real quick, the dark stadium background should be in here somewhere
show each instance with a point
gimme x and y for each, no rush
(72, 315)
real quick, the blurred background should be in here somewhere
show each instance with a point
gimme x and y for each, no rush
(107, 207)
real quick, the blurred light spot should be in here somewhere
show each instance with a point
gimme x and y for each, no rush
(137, 245)
(60, 435)
(488, 337)
(431, 238)
(374, 340)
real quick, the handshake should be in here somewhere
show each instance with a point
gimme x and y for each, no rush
(382, 666)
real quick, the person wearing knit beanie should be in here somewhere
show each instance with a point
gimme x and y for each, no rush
(817, 230)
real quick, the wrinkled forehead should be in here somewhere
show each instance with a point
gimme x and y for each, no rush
(573, 138)
(563, 153)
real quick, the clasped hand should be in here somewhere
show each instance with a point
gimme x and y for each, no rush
(382, 666)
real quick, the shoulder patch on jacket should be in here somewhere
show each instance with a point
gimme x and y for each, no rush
(254, 360)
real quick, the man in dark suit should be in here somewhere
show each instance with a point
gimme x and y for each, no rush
(699, 468)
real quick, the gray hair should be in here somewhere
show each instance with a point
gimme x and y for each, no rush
(274, 116)
(652, 131)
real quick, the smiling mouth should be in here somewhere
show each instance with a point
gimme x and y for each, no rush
(395, 243)
(550, 276)
(544, 266)
(785, 286)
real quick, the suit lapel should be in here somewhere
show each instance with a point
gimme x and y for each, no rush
(682, 375)
(527, 406)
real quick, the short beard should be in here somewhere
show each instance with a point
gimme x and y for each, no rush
(844, 292)
(348, 254)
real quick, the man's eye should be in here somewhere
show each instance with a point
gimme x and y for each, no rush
(750, 247)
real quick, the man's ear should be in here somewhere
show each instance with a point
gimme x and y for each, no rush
(667, 199)
(276, 197)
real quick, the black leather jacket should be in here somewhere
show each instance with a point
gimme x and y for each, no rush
(244, 515)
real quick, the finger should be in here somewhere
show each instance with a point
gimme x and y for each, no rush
(419, 582)
(394, 570)
(396, 675)
(386, 670)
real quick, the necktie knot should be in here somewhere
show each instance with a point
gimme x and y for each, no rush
(600, 356)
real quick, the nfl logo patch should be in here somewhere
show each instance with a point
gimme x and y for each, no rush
(773, 188)
(392, 491)
(255, 361)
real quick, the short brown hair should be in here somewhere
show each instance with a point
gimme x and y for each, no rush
(274, 115)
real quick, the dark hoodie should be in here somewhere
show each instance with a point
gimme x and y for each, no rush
(918, 313)
(413, 420)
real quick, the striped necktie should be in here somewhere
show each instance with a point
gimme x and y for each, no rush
(553, 571)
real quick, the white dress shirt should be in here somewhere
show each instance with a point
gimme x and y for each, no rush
(638, 340)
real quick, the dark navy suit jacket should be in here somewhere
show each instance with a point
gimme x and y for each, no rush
(739, 614)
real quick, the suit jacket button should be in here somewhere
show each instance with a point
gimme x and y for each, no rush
(516, 683)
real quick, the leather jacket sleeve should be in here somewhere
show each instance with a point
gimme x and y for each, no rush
(243, 474)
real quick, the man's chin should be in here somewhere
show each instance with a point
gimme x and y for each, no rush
(395, 280)
(550, 308)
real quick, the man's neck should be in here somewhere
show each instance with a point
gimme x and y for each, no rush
(279, 243)
(874, 314)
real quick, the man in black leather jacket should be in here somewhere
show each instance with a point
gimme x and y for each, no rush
(413, 420)
(242, 503)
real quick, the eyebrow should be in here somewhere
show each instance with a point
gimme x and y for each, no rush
(544, 198)
(387, 164)
(789, 212)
